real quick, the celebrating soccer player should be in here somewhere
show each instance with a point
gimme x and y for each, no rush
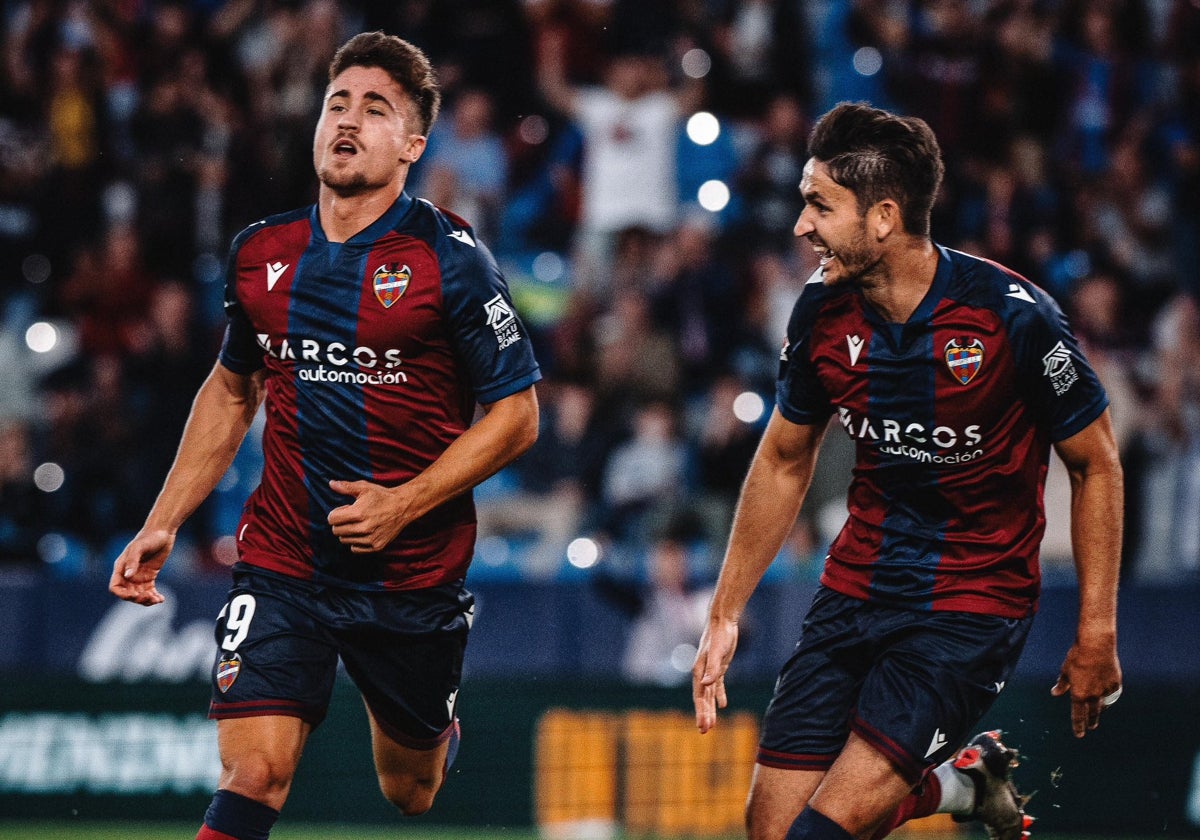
(953, 376)
(370, 324)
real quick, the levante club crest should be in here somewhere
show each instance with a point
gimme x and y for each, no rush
(964, 358)
(227, 670)
(390, 281)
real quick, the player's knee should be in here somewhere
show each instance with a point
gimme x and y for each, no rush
(258, 778)
(413, 794)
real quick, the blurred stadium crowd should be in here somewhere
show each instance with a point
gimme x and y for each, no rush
(633, 164)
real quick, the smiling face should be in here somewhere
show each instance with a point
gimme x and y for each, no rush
(838, 231)
(367, 135)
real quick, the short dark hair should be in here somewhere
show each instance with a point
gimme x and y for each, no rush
(876, 155)
(408, 66)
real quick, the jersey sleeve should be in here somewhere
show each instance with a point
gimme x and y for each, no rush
(240, 351)
(799, 394)
(485, 330)
(1060, 383)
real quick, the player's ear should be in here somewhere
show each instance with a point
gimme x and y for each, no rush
(413, 149)
(884, 218)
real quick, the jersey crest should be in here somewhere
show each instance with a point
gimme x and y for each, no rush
(390, 281)
(964, 358)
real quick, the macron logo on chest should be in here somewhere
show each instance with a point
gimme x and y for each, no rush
(274, 272)
(855, 345)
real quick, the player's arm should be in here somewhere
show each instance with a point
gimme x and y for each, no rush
(1091, 670)
(770, 500)
(221, 415)
(377, 514)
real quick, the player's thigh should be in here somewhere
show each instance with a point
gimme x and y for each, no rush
(407, 662)
(776, 798)
(259, 755)
(861, 789)
(275, 654)
(931, 685)
(808, 719)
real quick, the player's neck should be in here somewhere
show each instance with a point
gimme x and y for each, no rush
(902, 279)
(343, 216)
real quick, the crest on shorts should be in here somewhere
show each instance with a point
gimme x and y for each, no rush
(228, 668)
(390, 281)
(964, 358)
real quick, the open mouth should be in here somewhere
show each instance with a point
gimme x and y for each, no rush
(825, 255)
(344, 148)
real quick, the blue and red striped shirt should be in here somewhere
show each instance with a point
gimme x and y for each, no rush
(952, 415)
(376, 350)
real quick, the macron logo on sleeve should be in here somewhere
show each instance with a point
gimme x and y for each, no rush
(274, 272)
(462, 236)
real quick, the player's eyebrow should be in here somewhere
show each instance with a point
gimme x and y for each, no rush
(369, 95)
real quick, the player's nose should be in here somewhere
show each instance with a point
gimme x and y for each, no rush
(803, 226)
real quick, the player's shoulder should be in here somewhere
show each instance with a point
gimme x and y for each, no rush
(442, 230)
(816, 300)
(267, 230)
(983, 283)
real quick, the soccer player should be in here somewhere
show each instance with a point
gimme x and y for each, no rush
(370, 324)
(954, 376)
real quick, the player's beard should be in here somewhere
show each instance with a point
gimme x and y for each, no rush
(344, 185)
(853, 260)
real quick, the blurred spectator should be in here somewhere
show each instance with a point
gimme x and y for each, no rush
(1170, 487)
(556, 479)
(22, 514)
(725, 444)
(696, 299)
(629, 126)
(770, 177)
(645, 476)
(465, 170)
(667, 613)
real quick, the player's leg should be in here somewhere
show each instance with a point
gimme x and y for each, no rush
(928, 689)
(807, 722)
(272, 679)
(860, 792)
(776, 798)
(404, 650)
(258, 760)
(410, 777)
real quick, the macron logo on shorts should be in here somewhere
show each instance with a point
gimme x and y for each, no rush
(939, 741)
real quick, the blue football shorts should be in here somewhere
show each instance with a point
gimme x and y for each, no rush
(279, 640)
(912, 683)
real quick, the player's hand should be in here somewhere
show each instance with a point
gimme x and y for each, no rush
(136, 569)
(708, 673)
(369, 523)
(1092, 675)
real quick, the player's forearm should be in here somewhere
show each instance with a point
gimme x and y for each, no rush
(221, 415)
(770, 501)
(1096, 525)
(505, 432)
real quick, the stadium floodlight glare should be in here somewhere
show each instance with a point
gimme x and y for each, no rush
(683, 656)
(583, 553)
(713, 196)
(533, 130)
(49, 477)
(41, 337)
(492, 551)
(867, 61)
(696, 63)
(703, 128)
(53, 548)
(749, 407)
(548, 267)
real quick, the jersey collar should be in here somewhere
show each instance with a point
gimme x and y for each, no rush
(390, 218)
